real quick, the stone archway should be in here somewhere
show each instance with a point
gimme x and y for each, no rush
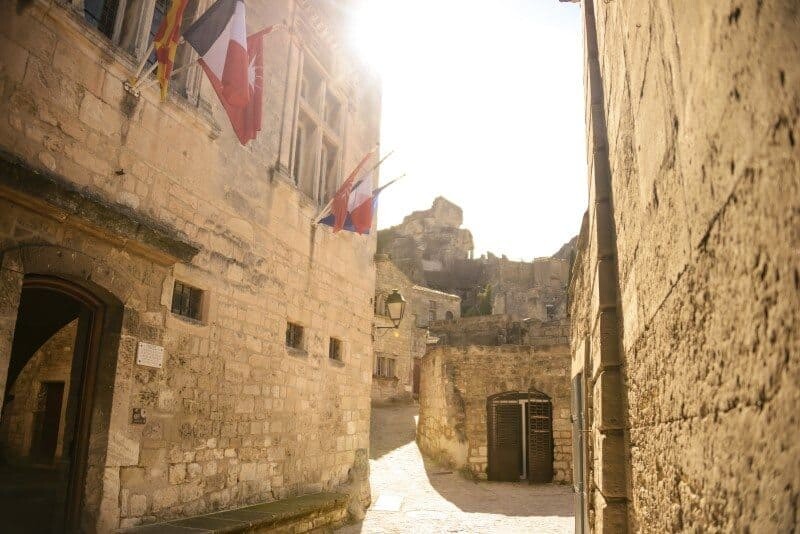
(45, 290)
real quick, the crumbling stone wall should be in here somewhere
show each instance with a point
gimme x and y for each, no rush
(456, 381)
(686, 291)
(430, 248)
(233, 417)
(408, 342)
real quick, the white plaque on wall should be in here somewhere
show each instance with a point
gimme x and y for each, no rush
(150, 355)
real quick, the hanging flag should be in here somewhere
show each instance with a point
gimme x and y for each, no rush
(359, 219)
(246, 120)
(341, 199)
(219, 37)
(166, 43)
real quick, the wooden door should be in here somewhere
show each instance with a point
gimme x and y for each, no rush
(415, 378)
(505, 440)
(540, 440)
(47, 422)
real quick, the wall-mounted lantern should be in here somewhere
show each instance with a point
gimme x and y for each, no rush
(395, 308)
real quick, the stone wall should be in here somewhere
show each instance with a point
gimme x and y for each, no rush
(686, 289)
(456, 381)
(501, 329)
(430, 248)
(408, 342)
(233, 416)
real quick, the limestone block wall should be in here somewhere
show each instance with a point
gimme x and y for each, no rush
(687, 292)
(233, 416)
(408, 342)
(456, 381)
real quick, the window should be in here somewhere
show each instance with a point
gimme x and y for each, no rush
(449, 316)
(380, 305)
(384, 367)
(432, 311)
(132, 25)
(551, 311)
(335, 349)
(316, 157)
(294, 336)
(187, 301)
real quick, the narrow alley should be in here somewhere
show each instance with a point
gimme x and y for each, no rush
(410, 494)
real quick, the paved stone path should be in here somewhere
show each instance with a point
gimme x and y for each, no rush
(416, 496)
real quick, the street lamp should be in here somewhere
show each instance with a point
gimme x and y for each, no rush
(396, 308)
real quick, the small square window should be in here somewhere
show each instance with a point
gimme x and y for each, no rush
(294, 335)
(335, 349)
(384, 367)
(187, 301)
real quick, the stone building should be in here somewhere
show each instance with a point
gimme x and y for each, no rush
(398, 351)
(218, 344)
(686, 287)
(432, 249)
(499, 412)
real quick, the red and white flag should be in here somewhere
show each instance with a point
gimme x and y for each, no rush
(220, 38)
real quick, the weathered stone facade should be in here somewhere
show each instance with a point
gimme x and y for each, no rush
(431, 249)
(686, 288)
(405, 345)
(456, 383)
(122, 196)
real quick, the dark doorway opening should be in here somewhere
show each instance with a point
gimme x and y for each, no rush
(45, 420)
(520, 437)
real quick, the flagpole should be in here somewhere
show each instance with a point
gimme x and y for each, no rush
(147, 83)
(328, 205)
(135, 79)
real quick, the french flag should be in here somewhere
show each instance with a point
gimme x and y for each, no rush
(220, 38)
(362, 204)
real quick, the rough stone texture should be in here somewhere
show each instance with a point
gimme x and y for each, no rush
(247, 419)
(456, 381)
(51, 363)
(431, 249)
(698, 205)
(414, 494)
(408, 342)
(501, 330)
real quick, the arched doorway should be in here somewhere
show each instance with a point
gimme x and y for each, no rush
(61, 331)
(520, 437)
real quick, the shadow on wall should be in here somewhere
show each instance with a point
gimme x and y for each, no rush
(399, 428)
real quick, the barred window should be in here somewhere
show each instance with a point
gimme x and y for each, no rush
(187, 301)
(294, 335)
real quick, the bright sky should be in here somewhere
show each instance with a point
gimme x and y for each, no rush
(483, 104)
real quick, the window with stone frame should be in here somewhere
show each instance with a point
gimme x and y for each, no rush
(294, 336)
(187, 301)
(132, 25)
(384, 367)
(432, 311)
(336, 349)
(317, 146)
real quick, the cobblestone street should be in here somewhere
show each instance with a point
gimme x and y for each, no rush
(412, 495)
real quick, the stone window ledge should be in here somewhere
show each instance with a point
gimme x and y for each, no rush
(336, 363)
(385, 378)
(297, 353)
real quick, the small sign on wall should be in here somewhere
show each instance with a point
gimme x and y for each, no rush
(150, 355)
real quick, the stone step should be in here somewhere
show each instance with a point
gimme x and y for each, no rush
(295, 515)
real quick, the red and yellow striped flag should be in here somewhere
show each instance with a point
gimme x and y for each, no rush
(166, 43)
